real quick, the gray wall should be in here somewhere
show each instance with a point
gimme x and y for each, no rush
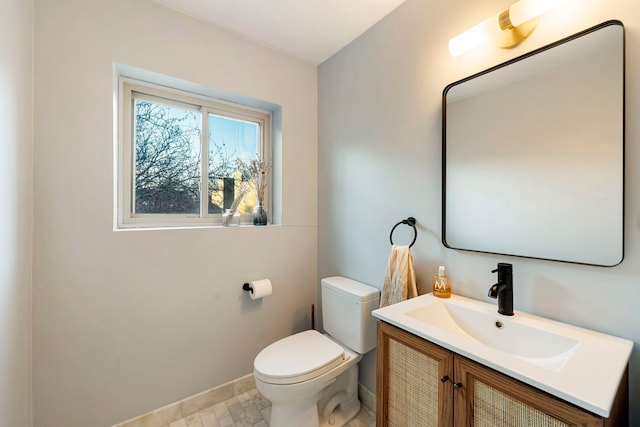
(380, 161)
(128, 321)
(16, 171)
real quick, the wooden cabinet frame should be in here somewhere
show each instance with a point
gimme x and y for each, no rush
(387, 334)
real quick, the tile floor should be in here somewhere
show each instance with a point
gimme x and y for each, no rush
(250, 409)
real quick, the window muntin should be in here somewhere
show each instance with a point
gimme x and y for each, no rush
(166, 160)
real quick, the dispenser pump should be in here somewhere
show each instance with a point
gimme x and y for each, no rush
(441, 287)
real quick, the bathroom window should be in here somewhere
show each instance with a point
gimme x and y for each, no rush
(179, 157)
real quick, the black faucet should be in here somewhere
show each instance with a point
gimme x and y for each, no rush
(503, 290)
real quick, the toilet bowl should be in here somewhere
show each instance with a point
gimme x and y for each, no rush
(294, 382)
(310, 378)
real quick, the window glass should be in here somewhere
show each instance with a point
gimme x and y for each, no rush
(230, 139)
(167, 159)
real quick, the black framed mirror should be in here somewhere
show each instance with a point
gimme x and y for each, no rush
(533, 153)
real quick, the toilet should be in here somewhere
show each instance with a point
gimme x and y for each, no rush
(310, 378)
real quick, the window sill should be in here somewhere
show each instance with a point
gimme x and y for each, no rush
(135, 227)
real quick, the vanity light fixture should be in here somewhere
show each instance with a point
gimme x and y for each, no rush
(508, 28)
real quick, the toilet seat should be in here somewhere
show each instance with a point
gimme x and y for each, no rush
(298, 358)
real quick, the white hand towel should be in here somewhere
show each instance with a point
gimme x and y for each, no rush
(400, 277)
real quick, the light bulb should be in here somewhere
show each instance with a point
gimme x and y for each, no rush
(475, 36)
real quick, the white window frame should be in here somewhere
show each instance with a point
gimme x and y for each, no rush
(126, 157)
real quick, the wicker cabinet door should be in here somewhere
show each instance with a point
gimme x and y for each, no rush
(414, 382)
(487, 398)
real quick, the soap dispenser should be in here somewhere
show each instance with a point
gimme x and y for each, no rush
(441, 287)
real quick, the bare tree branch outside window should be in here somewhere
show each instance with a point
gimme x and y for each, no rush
(167, 162)
(168, 159)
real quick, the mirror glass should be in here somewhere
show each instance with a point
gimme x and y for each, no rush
(533, 153)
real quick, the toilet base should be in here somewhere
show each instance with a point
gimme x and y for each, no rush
(305, 414)
(333, 405)
(301, 413)
(340, 402)
(342, 415)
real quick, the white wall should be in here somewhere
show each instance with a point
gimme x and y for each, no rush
(380, 161)
(126, 322)
(16, 169)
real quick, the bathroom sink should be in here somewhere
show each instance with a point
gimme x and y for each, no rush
(541, 347)
(578, 365)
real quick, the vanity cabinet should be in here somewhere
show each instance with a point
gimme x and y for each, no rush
(422, 384)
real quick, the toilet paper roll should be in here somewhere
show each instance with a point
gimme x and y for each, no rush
(260, 288)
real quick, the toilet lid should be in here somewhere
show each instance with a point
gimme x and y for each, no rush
(297, 358)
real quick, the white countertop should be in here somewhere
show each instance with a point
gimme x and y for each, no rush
(589, 378)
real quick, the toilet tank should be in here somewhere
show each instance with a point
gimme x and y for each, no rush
(346, 312)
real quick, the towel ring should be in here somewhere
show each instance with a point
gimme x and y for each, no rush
(411, 221)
